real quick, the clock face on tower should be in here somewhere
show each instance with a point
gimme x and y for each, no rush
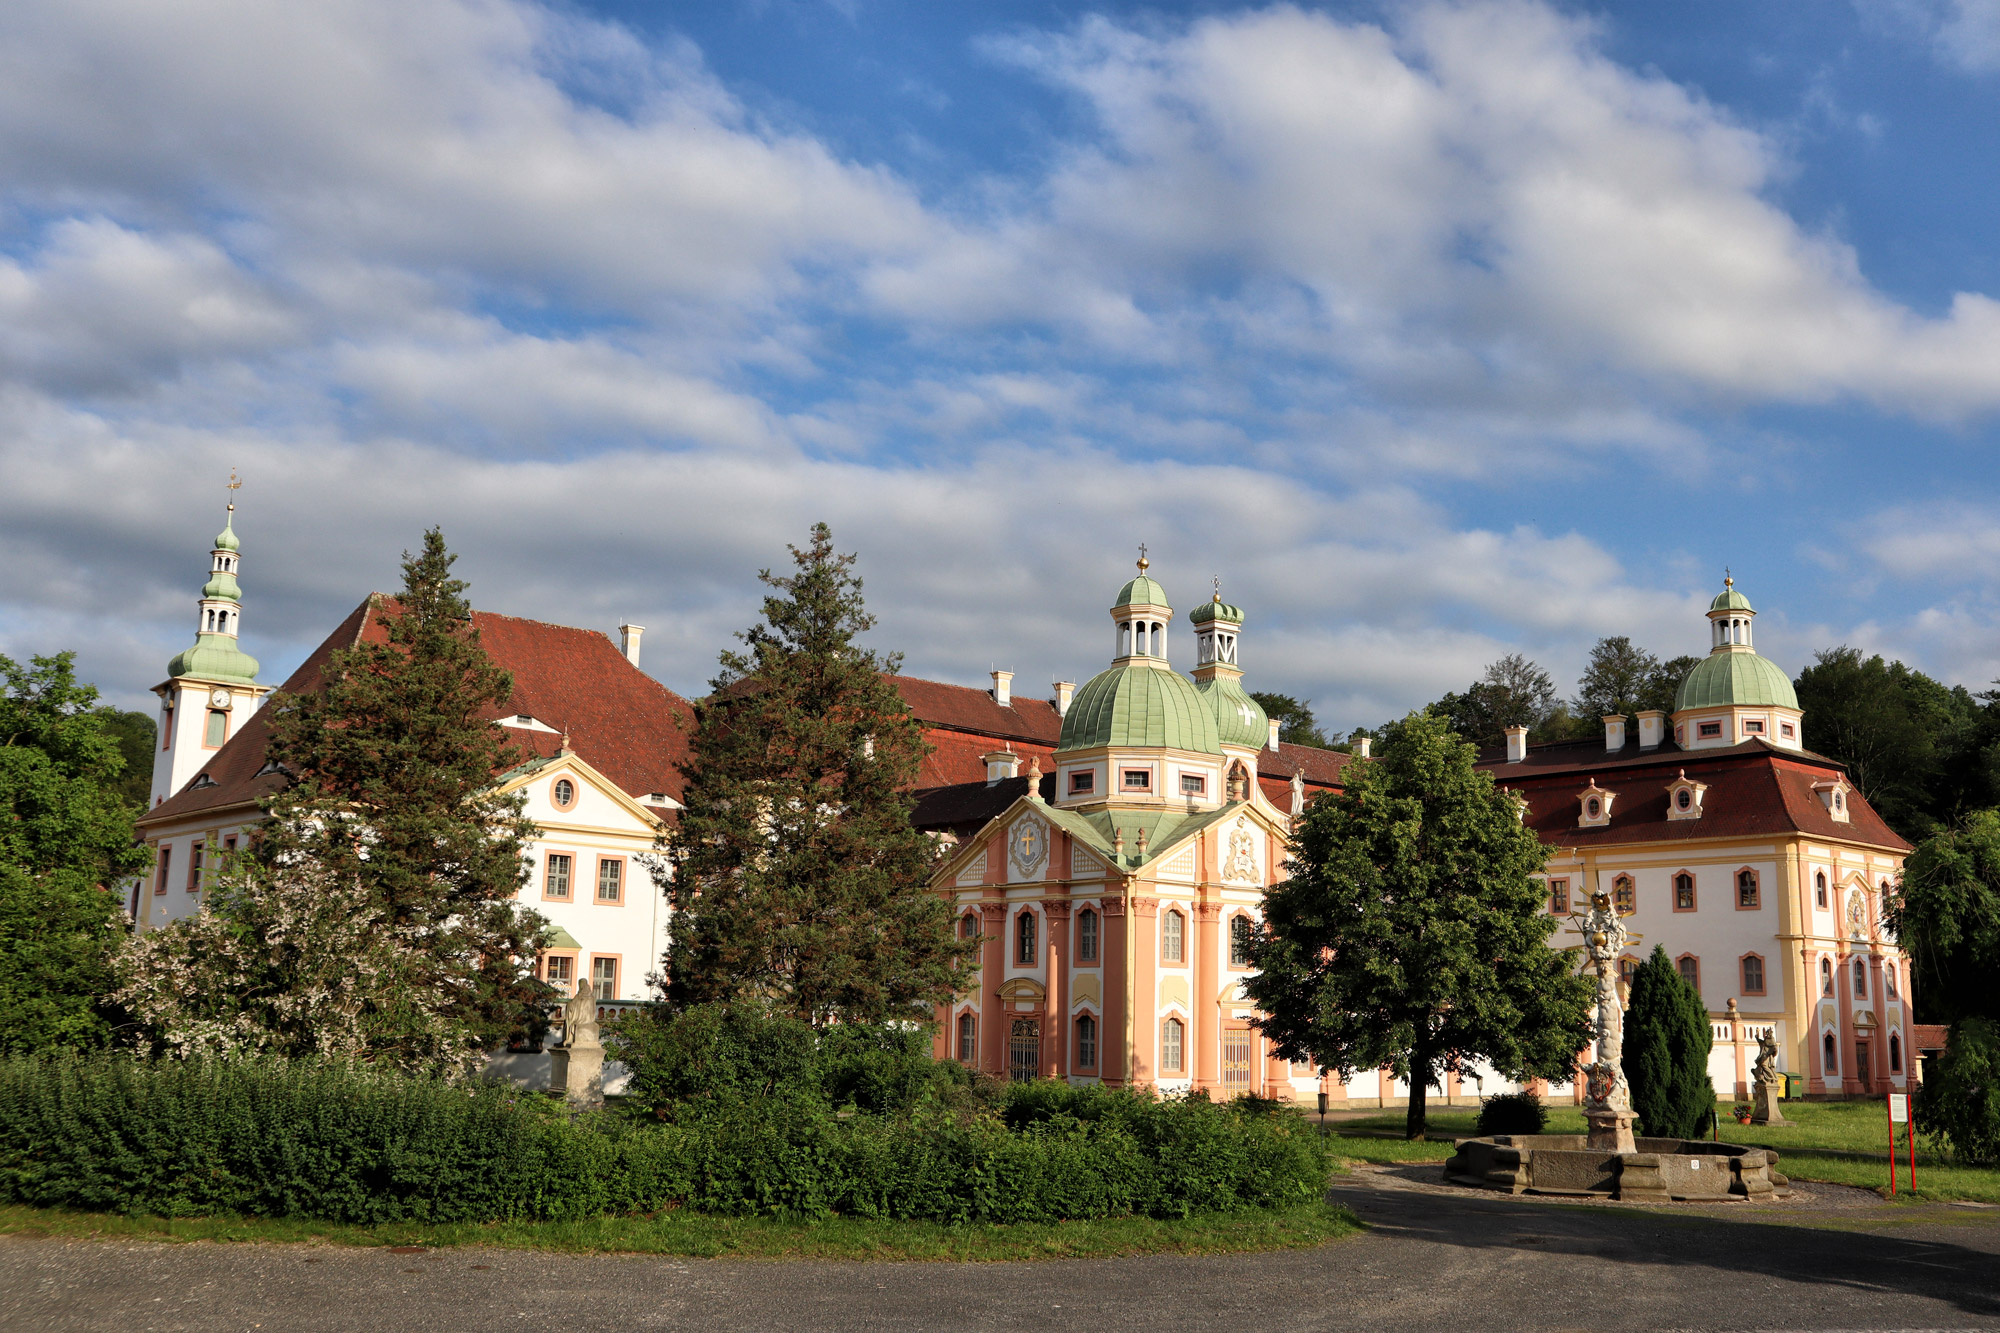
(219, 698)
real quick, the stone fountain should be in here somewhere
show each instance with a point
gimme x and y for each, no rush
(1608, 1160)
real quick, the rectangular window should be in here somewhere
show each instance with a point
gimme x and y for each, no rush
(1086, 936)
(1172, 949)
(555, 879)
(1690, 967)
(1753, 975)
(1753, 726)
(1707, 729)
(1170, 1045)
(1086, 1042)
(1240, 933)
(968, 1037)
(1746, 888)
(610, 880)
(1684, 892)
(1786, 730)
(167, 727)
(1194, 784)
(229, 845)
(1138, 779)
(1024, 939)
(166, 869)
(604, 977)
(1559, 897)
(559, 970)
(218, 729)
(1083, 783)
(194, 868)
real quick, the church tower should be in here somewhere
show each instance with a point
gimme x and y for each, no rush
(1240, 723)
(211, 688)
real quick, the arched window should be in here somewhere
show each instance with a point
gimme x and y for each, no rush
(1086, 1042)
(1826, 976)
(1086, 935)
(1627, 966)
(1747, 893)
(1170, 1045)
(1895, 1053)
(1623, 897)
(1241, 931)
(968, 926)
(1829, 1057)
(1819, 889)
(1172, 937)
(1860, 979)
(1889, 979)
(1683, 892)
(1753, 974)
(1024, 928)
(1690, 970)
(968, 1037)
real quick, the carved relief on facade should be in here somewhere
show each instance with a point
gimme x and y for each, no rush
(1239, 854)
(1028, 846)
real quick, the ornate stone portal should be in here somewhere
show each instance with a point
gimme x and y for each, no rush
(1607, 1104)
(576, 1068)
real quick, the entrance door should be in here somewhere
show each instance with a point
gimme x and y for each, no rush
(1236, 1051)
(1863, 1069)
(1024, 1049)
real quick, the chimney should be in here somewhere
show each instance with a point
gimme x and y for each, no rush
(1652, 729)
(1003, 690)
(628, 642)
(1614, 732)
(1064, 689)
(1359, 743)
(1274, 733)
(1000, 765)
(1517, 744)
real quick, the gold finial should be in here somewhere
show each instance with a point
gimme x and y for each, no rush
(1727, 581)
(234, 486)
(1217, 581)
(1144, 563)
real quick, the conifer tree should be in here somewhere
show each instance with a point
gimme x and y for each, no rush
(1412, 933)
(393, 767)
(1667, 1040)
(797, 881)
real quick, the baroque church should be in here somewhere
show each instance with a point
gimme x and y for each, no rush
(1110, 845)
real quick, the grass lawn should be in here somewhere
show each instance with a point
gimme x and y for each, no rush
(708, 1236)
(1846, 1143)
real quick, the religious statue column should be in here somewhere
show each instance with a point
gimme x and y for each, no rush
(576, 1067)
(1607, 1101)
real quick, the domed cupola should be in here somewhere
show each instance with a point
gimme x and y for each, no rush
(1239, 719)
(1734, 694)
(215, 655)
(1140, 701)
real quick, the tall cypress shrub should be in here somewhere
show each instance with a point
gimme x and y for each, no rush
(1667, 1039)
(797, 881)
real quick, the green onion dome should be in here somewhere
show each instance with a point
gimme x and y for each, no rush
(226, 539)
(221, 587)
(1239, 719)
(1736, 678)
(1137, 706)
(1216, 610)
(215, 657)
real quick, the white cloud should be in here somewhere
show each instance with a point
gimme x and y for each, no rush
(1965, 33)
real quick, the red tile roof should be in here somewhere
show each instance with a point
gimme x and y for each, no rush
(1754, 790)
(620, 721)
(973, 712)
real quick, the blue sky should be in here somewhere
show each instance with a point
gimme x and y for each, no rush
(1435, 331)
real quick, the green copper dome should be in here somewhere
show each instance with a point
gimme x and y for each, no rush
(1239, 719)
(1731, 600)
(215, 657)
(1141, 591)
(1140, 706)
(226, 539)
(221, 587)
(1736, 677)
(1216, 610)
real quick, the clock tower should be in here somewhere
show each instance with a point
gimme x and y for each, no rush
(211, 688)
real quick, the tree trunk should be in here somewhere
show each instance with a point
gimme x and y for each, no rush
(1420, 1081)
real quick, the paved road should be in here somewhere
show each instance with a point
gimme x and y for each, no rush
(1433, 1259)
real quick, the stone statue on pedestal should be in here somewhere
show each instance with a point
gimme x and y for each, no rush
(1767, 1083)
(1607, 1104)
(576, 1067)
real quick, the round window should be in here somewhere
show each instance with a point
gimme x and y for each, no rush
(1593, 807)
(565, 793)
(1839, 802)
(1683, 798)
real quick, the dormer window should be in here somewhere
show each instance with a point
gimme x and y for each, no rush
(1595, 806)
(1833, 795)
(1684, 797)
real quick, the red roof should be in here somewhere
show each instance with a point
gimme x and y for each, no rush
(620, 720)
(1754, 790)
(962, 723)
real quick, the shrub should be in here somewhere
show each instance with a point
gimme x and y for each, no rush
(1960, 1106)
(1512, 1113)
(316, 1139)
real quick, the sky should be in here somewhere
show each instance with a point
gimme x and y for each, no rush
(1433, 331)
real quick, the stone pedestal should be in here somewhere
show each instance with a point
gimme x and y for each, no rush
(1610, 1131)
(1640, 1178)
(1764, 1109)
(577, 1072)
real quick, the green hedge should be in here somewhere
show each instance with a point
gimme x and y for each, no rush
(111, 1134)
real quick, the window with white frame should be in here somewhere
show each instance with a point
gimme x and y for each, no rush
(1171, 1054)
(1172, 944)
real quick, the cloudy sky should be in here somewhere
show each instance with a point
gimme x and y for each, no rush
(1434, 331)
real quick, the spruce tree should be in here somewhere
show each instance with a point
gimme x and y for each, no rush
(1667, 1039)
(1412, 933)
(797, 881)
(393, 767)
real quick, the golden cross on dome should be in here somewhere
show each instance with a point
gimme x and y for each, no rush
(1217, 581)
(233, 487)
(1144, 563)
(1727, 580)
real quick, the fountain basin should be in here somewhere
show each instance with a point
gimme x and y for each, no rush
(1658, 1169)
